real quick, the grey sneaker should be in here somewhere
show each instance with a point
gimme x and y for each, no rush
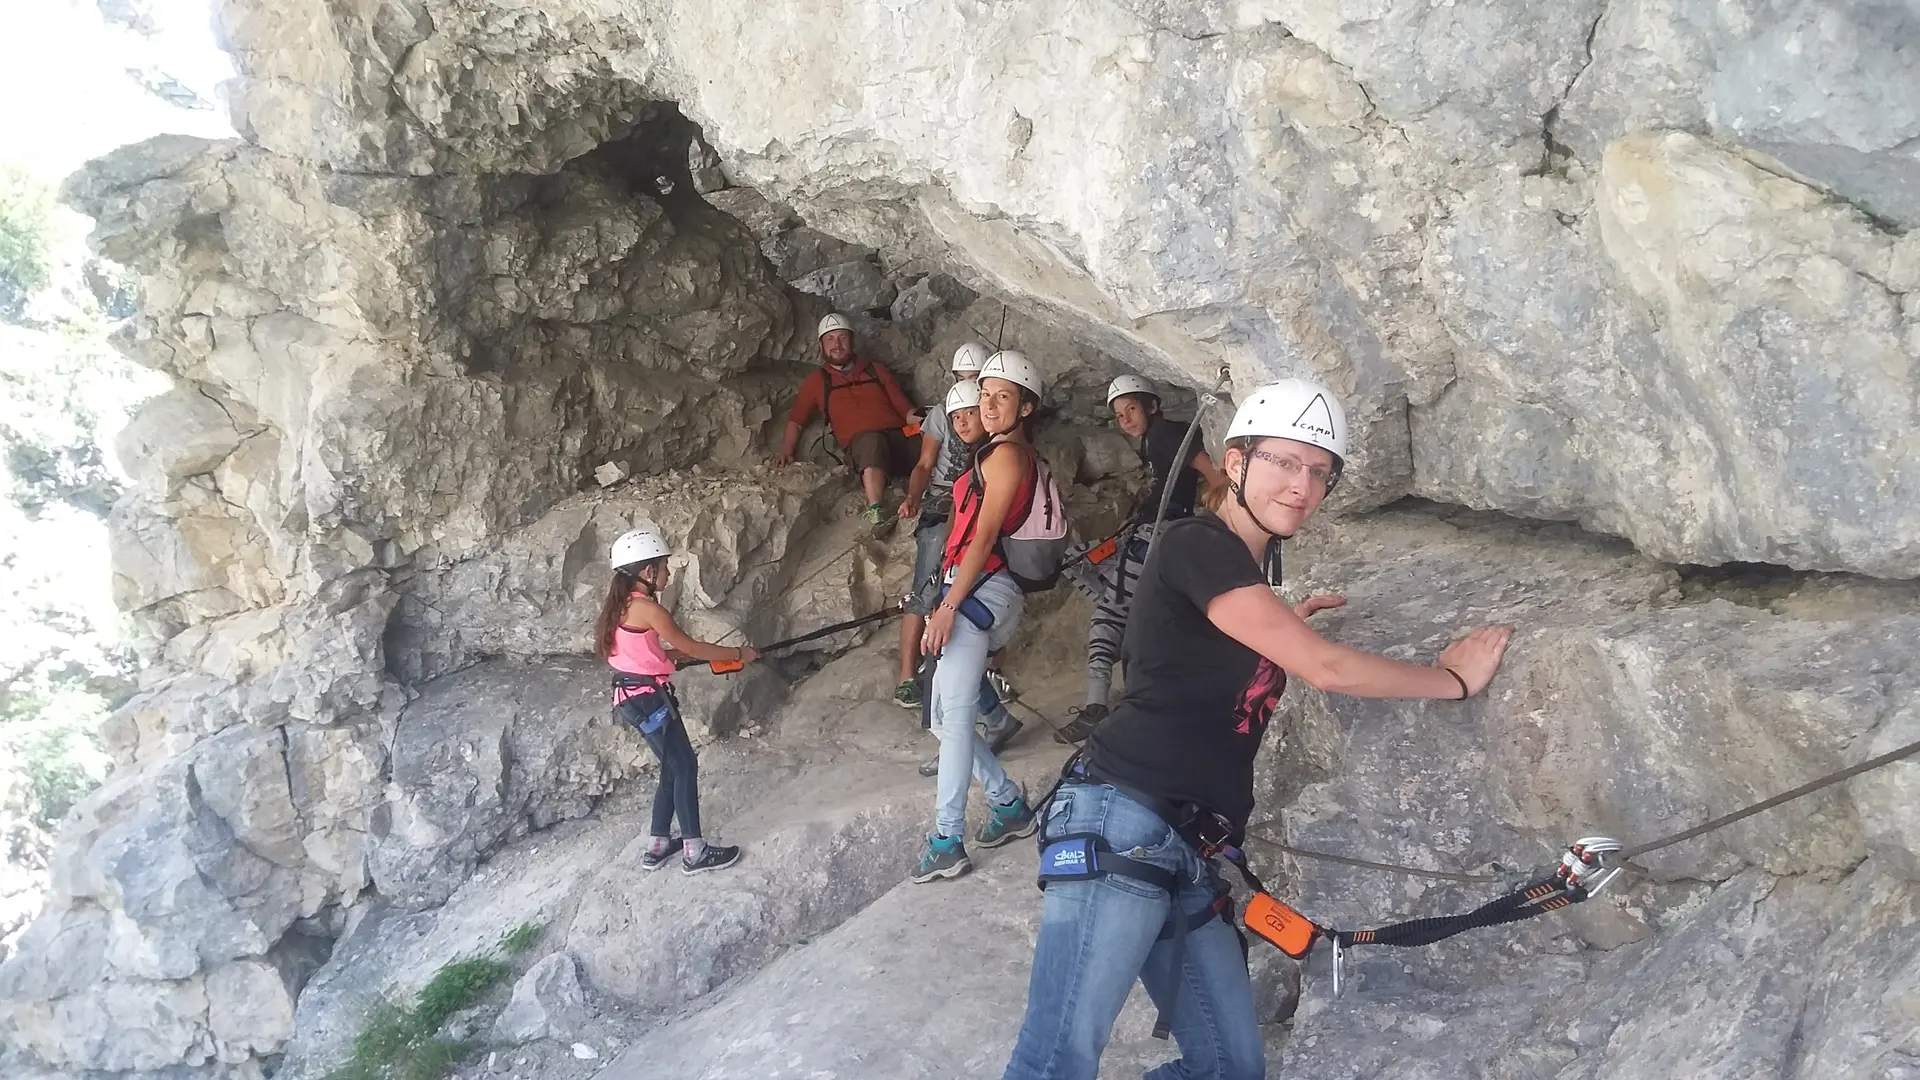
(1080, 728)
(945, 857)
(1006, 823)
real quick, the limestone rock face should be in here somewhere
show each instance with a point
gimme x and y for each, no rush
(1423, 206)
(736, 536)
(488, 754)
(379, 379)
(546, 1001)
(471, 293)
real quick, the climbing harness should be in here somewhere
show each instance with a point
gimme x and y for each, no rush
(723, 667)
(651, 705)
(1085, 856)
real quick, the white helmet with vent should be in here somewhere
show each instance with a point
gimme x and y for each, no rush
(970, 357)
(1015, 368)
(1130, 384)
(639, 545)
(964, 395)
(1293, 409)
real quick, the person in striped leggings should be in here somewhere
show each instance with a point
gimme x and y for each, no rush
(1111, 584)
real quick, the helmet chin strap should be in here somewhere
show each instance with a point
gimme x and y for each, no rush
(1273, 558)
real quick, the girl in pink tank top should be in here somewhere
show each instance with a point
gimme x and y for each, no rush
(638, 638)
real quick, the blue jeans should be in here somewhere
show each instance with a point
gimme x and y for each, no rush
(1097, 936)
(956, 704)
(929, 548)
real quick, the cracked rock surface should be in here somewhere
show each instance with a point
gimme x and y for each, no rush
(1636, 282)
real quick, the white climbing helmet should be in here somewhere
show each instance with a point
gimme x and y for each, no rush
(964, 395)
(1293, 409)
(1130, 384)
(834, 321)
(970, 357)
(638, 546)
(1015, 368)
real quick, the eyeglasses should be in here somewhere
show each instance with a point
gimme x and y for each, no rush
(1322, 475)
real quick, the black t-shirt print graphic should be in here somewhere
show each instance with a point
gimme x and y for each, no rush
(1197, 701)
(1257, 701)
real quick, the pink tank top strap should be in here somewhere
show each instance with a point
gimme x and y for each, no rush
(638, 652)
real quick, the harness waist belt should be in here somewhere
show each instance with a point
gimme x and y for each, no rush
(1208, 832)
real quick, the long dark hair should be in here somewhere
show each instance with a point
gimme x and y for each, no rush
(613, 609)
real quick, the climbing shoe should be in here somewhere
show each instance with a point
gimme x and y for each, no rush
(1004, 823)
(1085, 719)
(1002, 687)
(945, 857)
(907, 694)
(998, 737)
(879, 522)
(931, 766)
(650, 861)
(714, 858)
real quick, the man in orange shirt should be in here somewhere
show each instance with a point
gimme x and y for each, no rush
(865, 410)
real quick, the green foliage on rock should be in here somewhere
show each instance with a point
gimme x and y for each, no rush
(405, 1041)
(26, 226)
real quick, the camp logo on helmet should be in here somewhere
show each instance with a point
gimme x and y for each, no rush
(1317, 417)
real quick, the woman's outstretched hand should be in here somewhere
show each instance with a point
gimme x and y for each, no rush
(1477, 656)
(1321, 602)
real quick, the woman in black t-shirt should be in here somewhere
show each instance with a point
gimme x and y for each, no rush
(1208, 651)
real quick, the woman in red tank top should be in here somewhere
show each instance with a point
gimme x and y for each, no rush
(958, 645)
(636, 634)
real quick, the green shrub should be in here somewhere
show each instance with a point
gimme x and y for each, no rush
(403, 1042)
(26, 223)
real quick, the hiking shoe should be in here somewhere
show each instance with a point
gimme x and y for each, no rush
(907, 694)
(1080, 728)
(1002, 687)
(998, 738)
(1006, 823)
(945, 857)
(650, 861)
(715, 857)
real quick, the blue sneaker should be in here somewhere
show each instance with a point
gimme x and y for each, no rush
(945, 857)
(1004, 823)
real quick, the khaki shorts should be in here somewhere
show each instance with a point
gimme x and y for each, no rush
(890, 451)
